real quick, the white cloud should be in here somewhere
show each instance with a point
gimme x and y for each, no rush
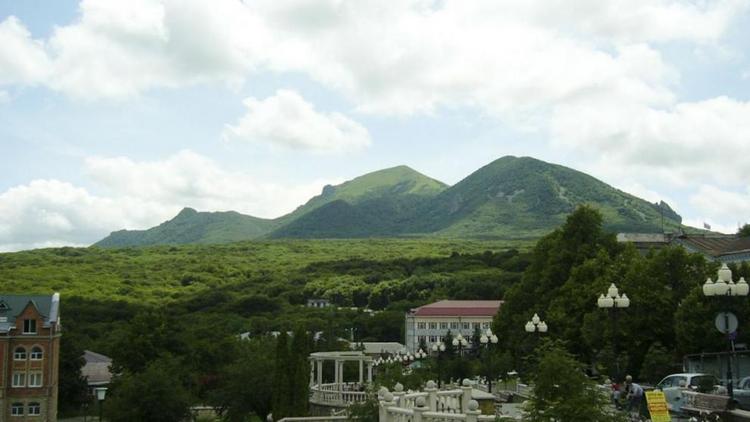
(687, 143)
(394, 58)
(719, 207)
(22, 59)
(287, 120)
(137, 195)
(51, 212)
(4, 97)
(190, 179)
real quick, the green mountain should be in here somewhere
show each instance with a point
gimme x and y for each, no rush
(191, 226)
(511, 198)
(375, 204)
(392, 183)
(515, 197)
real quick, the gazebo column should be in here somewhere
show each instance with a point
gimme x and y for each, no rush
(369, 372)
(319, 364)
(312, 373)
(361, 372)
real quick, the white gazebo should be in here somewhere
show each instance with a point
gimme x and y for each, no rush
(339, 393)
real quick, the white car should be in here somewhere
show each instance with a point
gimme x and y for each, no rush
(672, 386)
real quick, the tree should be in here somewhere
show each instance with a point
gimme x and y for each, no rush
(657, 364)
(299, 374)
(562, 279)
(744, 231)
(73, 388)
(150, 335)
(281, 381)
(157, 394)
(250, 367)
(563, 393)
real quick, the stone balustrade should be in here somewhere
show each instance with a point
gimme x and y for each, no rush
(430, 405)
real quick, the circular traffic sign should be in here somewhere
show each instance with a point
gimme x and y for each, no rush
(726, 322)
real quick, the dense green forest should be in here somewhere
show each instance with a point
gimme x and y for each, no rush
(152, 308)
(170, 316)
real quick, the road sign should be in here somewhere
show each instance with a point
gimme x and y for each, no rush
(657, 406)
(726, 322)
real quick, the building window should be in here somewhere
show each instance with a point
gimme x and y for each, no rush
(433, 326)
(35, 379)
(29, 326)
(19, 379)
(36, 353)
(433, 339)
(421, 339)
(19, 353)
(454, 326)
(16, 409)
(475, 326)
(443, 325)
(485, 325)
(35, 409)
(421, 325)
(465, 325)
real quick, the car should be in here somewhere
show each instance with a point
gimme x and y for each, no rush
(672, 386)
(742, 394)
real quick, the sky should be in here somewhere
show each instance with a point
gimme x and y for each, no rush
(117, 114)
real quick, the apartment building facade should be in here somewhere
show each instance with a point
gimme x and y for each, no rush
(29, 350)
(428, 324)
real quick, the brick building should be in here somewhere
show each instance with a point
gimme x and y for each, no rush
(430, 323)
(29, 350)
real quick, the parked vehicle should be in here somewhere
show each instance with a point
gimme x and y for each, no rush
(673, 385)
(742, 394)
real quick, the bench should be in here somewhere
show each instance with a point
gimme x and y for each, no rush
(696, 403)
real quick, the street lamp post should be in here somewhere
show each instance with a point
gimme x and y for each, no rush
(726, 322)
(486, 340)
(536, 325)
(613, 301)
(101, 393)
(439, 348)
(460, 342)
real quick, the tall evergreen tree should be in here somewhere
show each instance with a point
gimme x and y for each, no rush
(299, 373)
(281, 390)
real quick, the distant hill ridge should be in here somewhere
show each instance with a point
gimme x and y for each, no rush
(512, 197)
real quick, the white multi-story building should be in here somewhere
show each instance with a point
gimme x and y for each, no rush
(430, 323)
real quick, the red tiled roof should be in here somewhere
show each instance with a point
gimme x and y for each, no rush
(459, 308)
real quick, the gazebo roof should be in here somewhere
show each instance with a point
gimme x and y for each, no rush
(340, 356)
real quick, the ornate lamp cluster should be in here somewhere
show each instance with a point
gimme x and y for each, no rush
(398, 357)
(613, 299)
(488, 337)
(536, 324)
(459, 340)
(724, 286)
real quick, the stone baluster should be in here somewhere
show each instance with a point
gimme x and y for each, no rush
(465, 395)
(472, 414)
(398, 394)
(421, 407)
(385, 403)
(431, 390)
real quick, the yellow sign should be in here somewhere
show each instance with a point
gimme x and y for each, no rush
(657, 406)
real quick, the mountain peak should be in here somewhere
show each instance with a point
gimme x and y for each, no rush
(186, 212)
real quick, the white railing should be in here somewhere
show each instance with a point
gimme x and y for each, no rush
(524, 390)
(430, 406)
(337, 395)
(316, 419)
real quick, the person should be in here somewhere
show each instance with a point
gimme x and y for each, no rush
(634, 394)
